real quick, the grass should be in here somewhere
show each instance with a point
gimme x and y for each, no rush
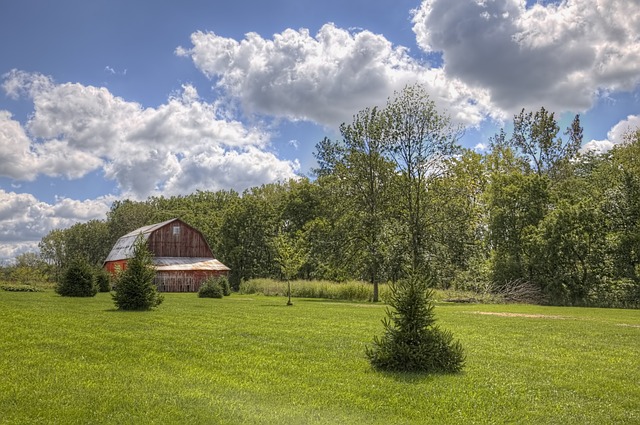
(350, 290)
(253, 360)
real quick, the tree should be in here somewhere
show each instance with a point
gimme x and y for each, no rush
(412, 342)
(78, 280)
(516, 204)
(135, 288)
(535, 136)
(290, 257)
(126, 216)
(90, 240)
(418, 139)
(458, 233)
(53, 249)
(249, 224)
(567, 252)
(365, 176)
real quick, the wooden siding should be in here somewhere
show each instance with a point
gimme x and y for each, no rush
(184, 281)
(113, 266)
(178, 239)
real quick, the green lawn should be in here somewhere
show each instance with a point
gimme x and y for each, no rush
(251, 359)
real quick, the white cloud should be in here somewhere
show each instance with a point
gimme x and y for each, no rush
(615, 136)
(24, 220)
(77, 129)
(325, 79)
(561, 55)
(16, 159)
(481, 147)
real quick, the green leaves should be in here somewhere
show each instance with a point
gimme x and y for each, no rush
(411, 341)
(135, 288)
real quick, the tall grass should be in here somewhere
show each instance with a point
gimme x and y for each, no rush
(348, 291)
(351, 291)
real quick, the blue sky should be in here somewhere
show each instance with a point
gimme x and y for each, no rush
(104, 100)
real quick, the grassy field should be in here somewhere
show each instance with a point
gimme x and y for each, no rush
(253, 360)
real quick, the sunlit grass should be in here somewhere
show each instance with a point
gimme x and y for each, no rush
(252, 359)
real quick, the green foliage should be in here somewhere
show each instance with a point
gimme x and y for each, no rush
(211, 288)
(19, 288)
(134, 287)
(215, 287)
(412, 342)
(103, 280)
(223, 282)
(77, 280)
(290, 255)
(397, 193)
(347, 291)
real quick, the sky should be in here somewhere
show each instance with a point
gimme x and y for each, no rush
(114, 99)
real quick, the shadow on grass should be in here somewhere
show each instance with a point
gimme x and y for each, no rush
(415, 377)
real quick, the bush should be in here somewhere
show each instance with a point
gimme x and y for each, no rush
(224, 285)
(412, 342)
(20, 288)
(77, 281)
(103, 280)
(135, 287)
(211, 288)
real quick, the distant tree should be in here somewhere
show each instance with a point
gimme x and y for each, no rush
(135, 287)
(535, 136)
(419, 139)
(290, 257)
(412, 342)
(364, 175)
(126, 216)
(78, 280)
(53, 249)
(103, 280)
(89, 240)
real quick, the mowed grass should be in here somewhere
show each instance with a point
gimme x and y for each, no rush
(253, 360)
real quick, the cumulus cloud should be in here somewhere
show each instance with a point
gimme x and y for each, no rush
(24, 220)
(560, 55)
(77, 129)
(615, 136)
(325, 78)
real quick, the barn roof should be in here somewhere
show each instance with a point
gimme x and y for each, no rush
(188, 263)
(123, 249)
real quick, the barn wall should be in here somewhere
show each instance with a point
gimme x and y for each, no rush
(178, 240)
(113, 266)
(184, 281)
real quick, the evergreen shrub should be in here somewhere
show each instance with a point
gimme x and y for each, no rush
(78, 280)
(103, 280)
(135, 287)
(412, 342)
(224, 285)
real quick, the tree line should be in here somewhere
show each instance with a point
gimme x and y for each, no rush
(397, 195)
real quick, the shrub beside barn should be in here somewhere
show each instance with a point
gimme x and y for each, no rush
(181, 256)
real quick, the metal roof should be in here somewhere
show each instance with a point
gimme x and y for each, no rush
(188, 263)
(123, 249)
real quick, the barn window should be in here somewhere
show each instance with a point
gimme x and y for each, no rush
(176, 230)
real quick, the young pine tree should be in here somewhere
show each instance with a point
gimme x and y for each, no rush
(135, 289)
(77, 280)
(412, 342)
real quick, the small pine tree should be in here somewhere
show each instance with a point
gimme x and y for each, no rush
(224, 285)
(103, 280)
(77, 280)
(412, 342)
(135, 287)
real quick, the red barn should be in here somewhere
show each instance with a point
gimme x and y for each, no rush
(181, 255)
